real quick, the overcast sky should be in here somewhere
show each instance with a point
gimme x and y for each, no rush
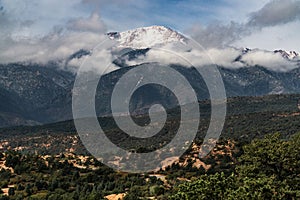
(264, 24)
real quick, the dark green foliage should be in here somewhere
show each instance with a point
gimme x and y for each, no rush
(11, 191)
(268, 169)
(59, 179)
(206, 187)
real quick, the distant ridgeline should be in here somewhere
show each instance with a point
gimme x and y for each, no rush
(247, 118)
(32, 94)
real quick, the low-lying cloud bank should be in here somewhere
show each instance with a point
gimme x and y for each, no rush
(225, 57)
(270, 60)
(58, 44)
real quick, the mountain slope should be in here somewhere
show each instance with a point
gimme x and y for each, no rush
(28, 98)
(157, 36)
(35, 93)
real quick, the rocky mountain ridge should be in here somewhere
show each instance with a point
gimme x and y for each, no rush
(42, 93)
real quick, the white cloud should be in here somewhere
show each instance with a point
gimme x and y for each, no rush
(226, 57)
(217, 34)
(276, 37)
(23, 37)
(276, 12)
(52, 47)
(275, 15)
(100, 61)
(270, 60)
(237, 10)
(92, 24)
(171, 55)
(20, 42)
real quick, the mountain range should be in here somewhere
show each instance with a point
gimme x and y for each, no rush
(33, 93)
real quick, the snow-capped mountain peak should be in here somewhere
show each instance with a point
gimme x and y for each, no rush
(287, 54)
(156, 36)
(147, 37)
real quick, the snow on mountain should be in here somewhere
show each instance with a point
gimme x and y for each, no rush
(288, 54)
(147, 37)
(155, 36)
